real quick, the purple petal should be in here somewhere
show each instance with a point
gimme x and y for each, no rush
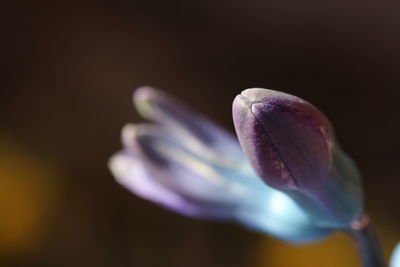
(287, 138)
(130, 172)
(178, 168)
(201, 135)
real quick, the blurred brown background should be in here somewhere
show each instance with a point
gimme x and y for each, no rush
(69, 72)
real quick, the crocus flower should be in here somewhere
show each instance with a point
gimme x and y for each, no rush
(395, 259)
(191, 166)
(291, 145)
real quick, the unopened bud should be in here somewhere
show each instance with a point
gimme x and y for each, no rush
(291, 146)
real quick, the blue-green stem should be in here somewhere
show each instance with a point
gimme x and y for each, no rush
(367, 243)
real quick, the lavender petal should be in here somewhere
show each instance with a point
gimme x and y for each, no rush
(200, 134)
(129, 171)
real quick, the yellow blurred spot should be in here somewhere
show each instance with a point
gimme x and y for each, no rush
(337, 250)
(27, 194)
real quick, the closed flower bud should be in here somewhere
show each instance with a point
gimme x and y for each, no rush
(291, 146)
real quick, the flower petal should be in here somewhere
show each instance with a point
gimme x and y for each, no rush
(133, 175)
(395, 258)
(241, 172)
(157, 167)
(180, 170)
(278, 215)
(249, 200)
(201, 135)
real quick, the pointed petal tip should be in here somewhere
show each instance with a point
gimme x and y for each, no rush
(118, 166)
(145, 98)
(261, 94)
(248, 98)
(144, 92)
(128, 133)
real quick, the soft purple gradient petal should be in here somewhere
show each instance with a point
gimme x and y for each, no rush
(203, 136)
(264, 209)
(130, 172)
(180, 170)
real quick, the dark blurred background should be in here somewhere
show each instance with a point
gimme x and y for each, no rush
(70, 69)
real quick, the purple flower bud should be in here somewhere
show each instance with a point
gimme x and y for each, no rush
(291, 146)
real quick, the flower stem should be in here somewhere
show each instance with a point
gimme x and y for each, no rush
(367, 243)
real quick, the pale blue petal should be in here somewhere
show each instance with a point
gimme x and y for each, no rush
(272, 212)
(395, 259)
(276, 214)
